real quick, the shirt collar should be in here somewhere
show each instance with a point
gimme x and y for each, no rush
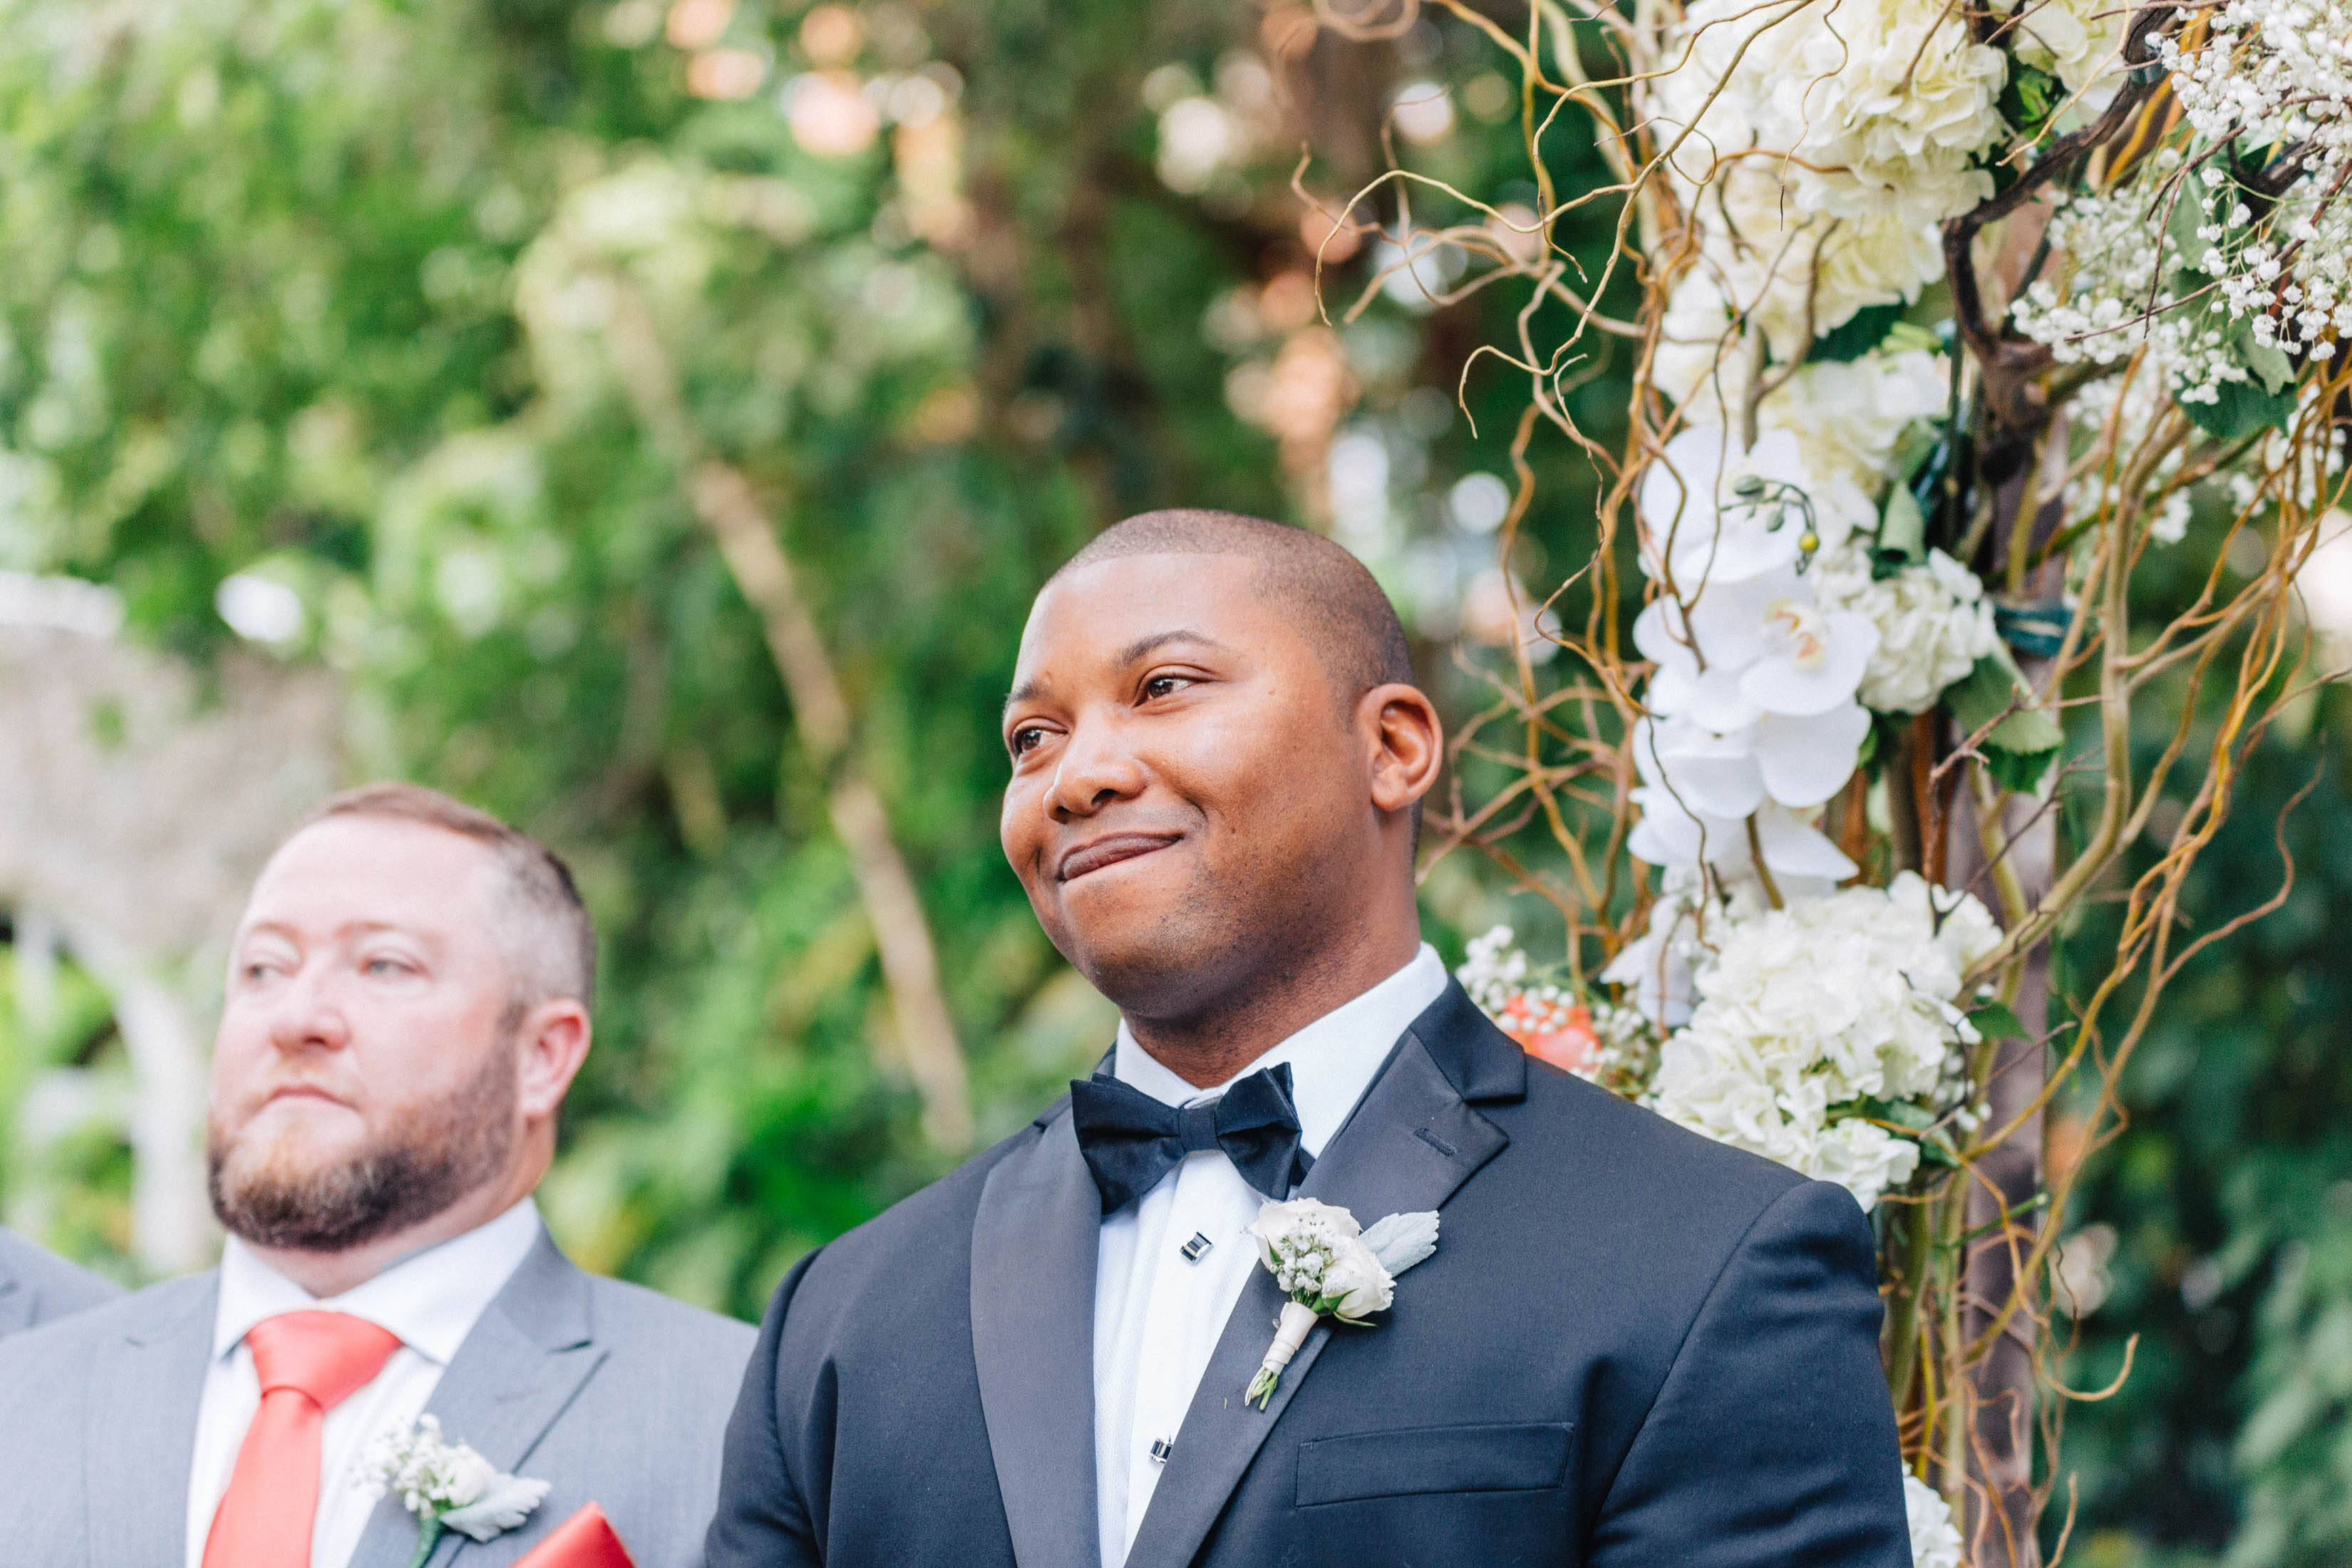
(1332, 1060)
(430, 1298)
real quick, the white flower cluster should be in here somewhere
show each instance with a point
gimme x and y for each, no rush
(1805, 1013)
(2118, 295)
(2276, 73)
(1934, 623)
(446, 1483)
(1318, 1257)
(1493, 970)
(1817, 145)
(1753, 716)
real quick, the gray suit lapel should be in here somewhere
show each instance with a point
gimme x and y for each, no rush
(139, 1441)
(1034, 1239)
(1412, 1142)
(533, 1347)
(16, 1302)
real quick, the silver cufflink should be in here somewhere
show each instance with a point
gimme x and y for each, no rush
(1194, 1248)
(1160, 1449)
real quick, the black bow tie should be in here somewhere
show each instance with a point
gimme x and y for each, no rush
(1131, 1139)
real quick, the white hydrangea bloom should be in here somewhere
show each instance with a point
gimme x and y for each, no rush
(1879, 107)
(1848, 418)
(1935, 1537)
(2080, 42)
(1934, 623)
(1784, 268)
(1819, 1003)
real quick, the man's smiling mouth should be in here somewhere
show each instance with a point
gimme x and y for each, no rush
(1109, 850)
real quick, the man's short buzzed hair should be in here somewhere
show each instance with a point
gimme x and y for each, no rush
(1334, 601)
(552, 944)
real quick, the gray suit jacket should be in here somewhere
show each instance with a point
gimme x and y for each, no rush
(612, 1393)
(37, 1285)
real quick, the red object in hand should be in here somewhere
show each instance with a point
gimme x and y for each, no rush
(586, 1540)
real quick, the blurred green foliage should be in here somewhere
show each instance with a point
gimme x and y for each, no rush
(314, 293)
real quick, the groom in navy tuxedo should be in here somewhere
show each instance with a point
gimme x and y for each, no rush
(1632, 1345)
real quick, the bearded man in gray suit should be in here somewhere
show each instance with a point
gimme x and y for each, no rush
(407, 1004)
(37, 1285)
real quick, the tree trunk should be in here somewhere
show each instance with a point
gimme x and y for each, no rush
(752, 547)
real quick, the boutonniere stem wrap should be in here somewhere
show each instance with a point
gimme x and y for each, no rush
(447, 1486)
(1329, 1266)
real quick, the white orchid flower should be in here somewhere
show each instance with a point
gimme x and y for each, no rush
(1810, 659)
(1669, 835)
(1719, 511)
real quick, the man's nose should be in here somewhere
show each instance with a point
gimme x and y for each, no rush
(307, 1013)
(1098, 767)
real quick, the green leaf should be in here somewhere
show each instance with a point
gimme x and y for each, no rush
(2241, 409)
(2019, 748)
(1997, 1021)
(2029, 96)
(2266, 361)
(1857, 335)
(2182, 248)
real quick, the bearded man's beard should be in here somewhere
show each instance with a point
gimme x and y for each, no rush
(430, 1156)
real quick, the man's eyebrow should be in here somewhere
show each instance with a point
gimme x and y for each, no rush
(1143, 644)
(1127, 656)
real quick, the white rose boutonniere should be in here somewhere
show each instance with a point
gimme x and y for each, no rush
(446, 1484)
(1326, 1264)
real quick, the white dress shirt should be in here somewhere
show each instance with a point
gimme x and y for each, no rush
(429, 1299)
(1158, 1316)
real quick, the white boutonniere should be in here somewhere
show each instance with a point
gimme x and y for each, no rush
(446, 1484)
(1326, 1264)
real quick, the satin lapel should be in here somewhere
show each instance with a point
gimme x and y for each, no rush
(1034, 1239)
(533, 1347)
(140, 1438)
(1409, 1145)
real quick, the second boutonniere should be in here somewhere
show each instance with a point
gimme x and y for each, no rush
(447, 1486)
(1326, 1264)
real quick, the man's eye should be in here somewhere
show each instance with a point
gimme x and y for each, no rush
(1026, 738)
(1165, 685)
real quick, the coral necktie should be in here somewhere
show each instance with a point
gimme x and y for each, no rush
(309, 1362)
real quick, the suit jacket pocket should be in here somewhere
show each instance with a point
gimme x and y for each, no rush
(1403, 1462)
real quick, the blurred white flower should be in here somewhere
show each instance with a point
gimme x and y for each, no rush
(259, 609)
(1196, 138)
(1478, 504)
(829, 113)
(2079, 1265)
(1422, 111)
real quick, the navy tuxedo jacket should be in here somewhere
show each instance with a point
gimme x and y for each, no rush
(1634, 1345)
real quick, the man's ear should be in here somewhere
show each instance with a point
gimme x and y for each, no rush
(550, 1046)
(1408, 744)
